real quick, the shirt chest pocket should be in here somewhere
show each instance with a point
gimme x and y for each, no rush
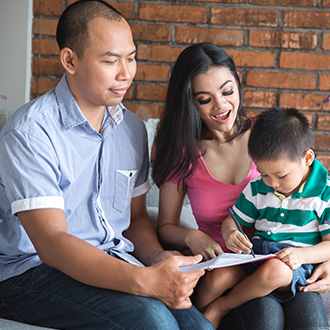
(124, 184)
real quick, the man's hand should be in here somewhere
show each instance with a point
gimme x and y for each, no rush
(171, 286)
(319, 280)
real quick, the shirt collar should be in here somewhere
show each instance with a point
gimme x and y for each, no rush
(72, 115)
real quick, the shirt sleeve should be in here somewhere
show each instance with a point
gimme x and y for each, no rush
(29, 171)
(142, 184)
(245, 210)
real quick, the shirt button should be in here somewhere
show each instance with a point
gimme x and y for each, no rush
(269, 232)
(282, 214)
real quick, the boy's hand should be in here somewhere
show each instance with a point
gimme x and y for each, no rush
(237, 242)
(293, 257)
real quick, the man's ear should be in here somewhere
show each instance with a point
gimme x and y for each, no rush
(68, 57)
(309, 157)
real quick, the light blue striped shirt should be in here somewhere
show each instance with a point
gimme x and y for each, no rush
(52, 158)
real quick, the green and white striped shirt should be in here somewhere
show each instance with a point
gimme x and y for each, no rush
(300, 219)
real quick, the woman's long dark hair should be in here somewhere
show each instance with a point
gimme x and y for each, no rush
(181, 127)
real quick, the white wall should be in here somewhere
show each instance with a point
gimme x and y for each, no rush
(15, 52)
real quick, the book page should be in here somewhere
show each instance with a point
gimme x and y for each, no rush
(226, 260)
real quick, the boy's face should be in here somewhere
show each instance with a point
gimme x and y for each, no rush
(102, 75)
(284, 175)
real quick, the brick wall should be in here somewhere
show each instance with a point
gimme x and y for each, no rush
(281, 49)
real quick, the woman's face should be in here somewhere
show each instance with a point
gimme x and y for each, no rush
(217, 99)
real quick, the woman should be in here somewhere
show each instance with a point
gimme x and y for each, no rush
(201, 149)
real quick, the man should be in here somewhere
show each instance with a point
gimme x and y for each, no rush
(73, 178)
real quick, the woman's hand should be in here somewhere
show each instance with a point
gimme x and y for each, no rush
(319, 281)
(201, 243)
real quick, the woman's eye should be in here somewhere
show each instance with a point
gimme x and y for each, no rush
(204, 101)
(228, 92)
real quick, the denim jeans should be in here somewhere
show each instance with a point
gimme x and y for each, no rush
(46, 297)
(304, 312)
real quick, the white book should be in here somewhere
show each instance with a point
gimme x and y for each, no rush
(226, 260)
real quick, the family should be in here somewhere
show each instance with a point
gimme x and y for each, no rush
(77, 248)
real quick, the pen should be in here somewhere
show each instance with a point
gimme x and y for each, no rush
(239, 228)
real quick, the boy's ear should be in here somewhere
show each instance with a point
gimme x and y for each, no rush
(67, 57)
(309, 157)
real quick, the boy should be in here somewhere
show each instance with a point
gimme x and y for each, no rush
(289, 207)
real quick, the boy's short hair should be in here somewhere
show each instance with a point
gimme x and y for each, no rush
(72, 27)
(279, 132)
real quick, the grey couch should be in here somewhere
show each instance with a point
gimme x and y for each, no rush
(187, 219)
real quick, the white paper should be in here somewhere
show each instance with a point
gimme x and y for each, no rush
(226, 260)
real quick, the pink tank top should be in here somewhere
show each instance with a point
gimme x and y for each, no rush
(211, 199)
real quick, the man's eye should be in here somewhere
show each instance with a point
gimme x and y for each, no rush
(282, 177)
(204, 101)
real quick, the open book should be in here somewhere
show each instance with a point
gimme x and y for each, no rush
(225, 260)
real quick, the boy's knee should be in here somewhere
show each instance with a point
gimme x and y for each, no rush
(277, 272)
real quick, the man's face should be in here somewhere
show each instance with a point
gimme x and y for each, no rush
(106, 70)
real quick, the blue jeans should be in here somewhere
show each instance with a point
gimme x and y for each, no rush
(303, 312)
(46, 297)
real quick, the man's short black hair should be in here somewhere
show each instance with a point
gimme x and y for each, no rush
(279, 132)
(72, 27)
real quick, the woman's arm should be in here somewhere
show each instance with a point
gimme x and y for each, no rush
(171, 235)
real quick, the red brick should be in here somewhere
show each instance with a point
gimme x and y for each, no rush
(149, 32)
(304, 61)
(279, 39)
(46, 66)
(323, 102)
(326, 3)
(190, 35)
(244, 17)
(45, 47)
(322, 142)
(125, 8)
(266, 79)
(158, 53)
(129, 93)
(41, 86)
(326, 41)
(44, 26)
(145, 111)
(323, 122)
(151, 93)
(252, 58)
(47, 7)
(324, 82)
(219, 1)
(258, 99)
(300, 101)
(298, 3)
(152, 72)
(307, 19)
(168, 13)
(325, 160)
